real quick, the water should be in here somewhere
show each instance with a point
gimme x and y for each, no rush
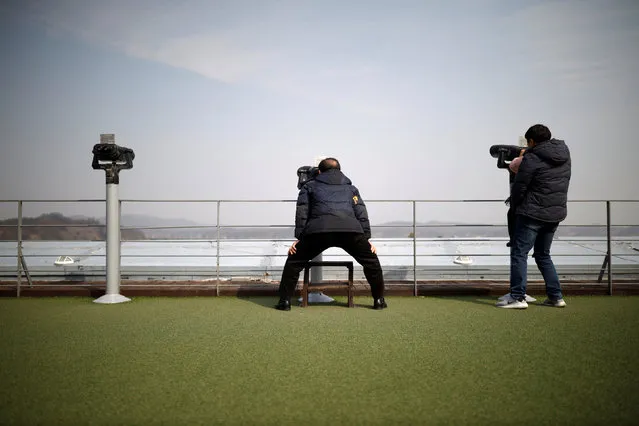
(264, 260)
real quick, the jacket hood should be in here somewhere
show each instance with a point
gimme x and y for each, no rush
(553, 151)
(333, 177)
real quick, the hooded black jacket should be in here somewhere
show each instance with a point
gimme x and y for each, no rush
(540, 190)
(330, 203)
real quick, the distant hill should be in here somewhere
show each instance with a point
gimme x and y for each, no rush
(140, 222)
(87, 228)
(56, 227)
(144, 221)
(197, 230)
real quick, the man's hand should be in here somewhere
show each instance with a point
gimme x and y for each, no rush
(373, 249)
(514, 165)
(292, 249)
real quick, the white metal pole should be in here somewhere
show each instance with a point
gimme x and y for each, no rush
(112, 248)
(113, 240)
(316, 271)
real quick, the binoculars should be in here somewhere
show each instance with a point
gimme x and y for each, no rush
(111, 157)
(306, 173)
(505, 154)
(111, 153)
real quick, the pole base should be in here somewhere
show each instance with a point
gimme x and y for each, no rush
(318, 297)
(111, 299)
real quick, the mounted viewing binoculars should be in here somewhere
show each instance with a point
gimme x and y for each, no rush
(505, 154)
(306, 173)
(111, 158)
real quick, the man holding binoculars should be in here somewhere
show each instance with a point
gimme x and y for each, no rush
(538, 198)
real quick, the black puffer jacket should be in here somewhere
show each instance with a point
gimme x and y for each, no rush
(540, 190)
(330, 203)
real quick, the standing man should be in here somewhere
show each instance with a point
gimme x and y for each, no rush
(331, 213)
(538, 197)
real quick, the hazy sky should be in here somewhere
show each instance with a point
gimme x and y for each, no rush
(226, 99)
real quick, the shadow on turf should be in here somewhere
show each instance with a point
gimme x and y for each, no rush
(487, 301)
(484, 301)
(270, 302)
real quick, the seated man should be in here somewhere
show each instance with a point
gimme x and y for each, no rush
(330, 213)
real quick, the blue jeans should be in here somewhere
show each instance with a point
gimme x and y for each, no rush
(531, 233)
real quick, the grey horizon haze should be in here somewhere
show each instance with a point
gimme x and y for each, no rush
(226, 99)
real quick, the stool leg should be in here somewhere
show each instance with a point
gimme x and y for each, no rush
(351, 304)
(305, 289)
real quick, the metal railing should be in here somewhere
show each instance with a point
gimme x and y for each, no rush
(22, 270)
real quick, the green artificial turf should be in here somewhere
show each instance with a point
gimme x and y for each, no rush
(424, 360)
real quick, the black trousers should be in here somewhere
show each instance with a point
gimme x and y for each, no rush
(308, 247)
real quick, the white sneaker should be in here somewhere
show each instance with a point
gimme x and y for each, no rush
(559, 303)
(510, 303)
(529, 299)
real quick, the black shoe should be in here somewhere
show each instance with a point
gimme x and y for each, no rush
(283, 305)
(380, 304)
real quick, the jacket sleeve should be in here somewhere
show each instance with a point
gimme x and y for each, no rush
(523, 178)
(301, 211)
(361, 213)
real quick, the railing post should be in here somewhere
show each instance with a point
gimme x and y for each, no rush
(414, 248)
(609, 248)
(19, 257)
(217, 254)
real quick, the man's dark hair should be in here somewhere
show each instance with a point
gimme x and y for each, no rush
(538, 133)
(329, 163)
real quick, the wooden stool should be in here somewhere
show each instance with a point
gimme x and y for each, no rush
(351, 290)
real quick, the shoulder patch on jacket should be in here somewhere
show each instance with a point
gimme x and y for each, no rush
(355, 199)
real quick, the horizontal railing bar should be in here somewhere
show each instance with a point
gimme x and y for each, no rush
(171, 227)
(205, 201)
(449, 225)
(88, 200)
(131, 200)
(209, 279)
(225, 241)
(255, 274)
(463, 225)
(207, 226)
(367, 201)
(70, 225)
(482, 270)
(448, 269)
(233, 273)
(332, 255)
(378, 239)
